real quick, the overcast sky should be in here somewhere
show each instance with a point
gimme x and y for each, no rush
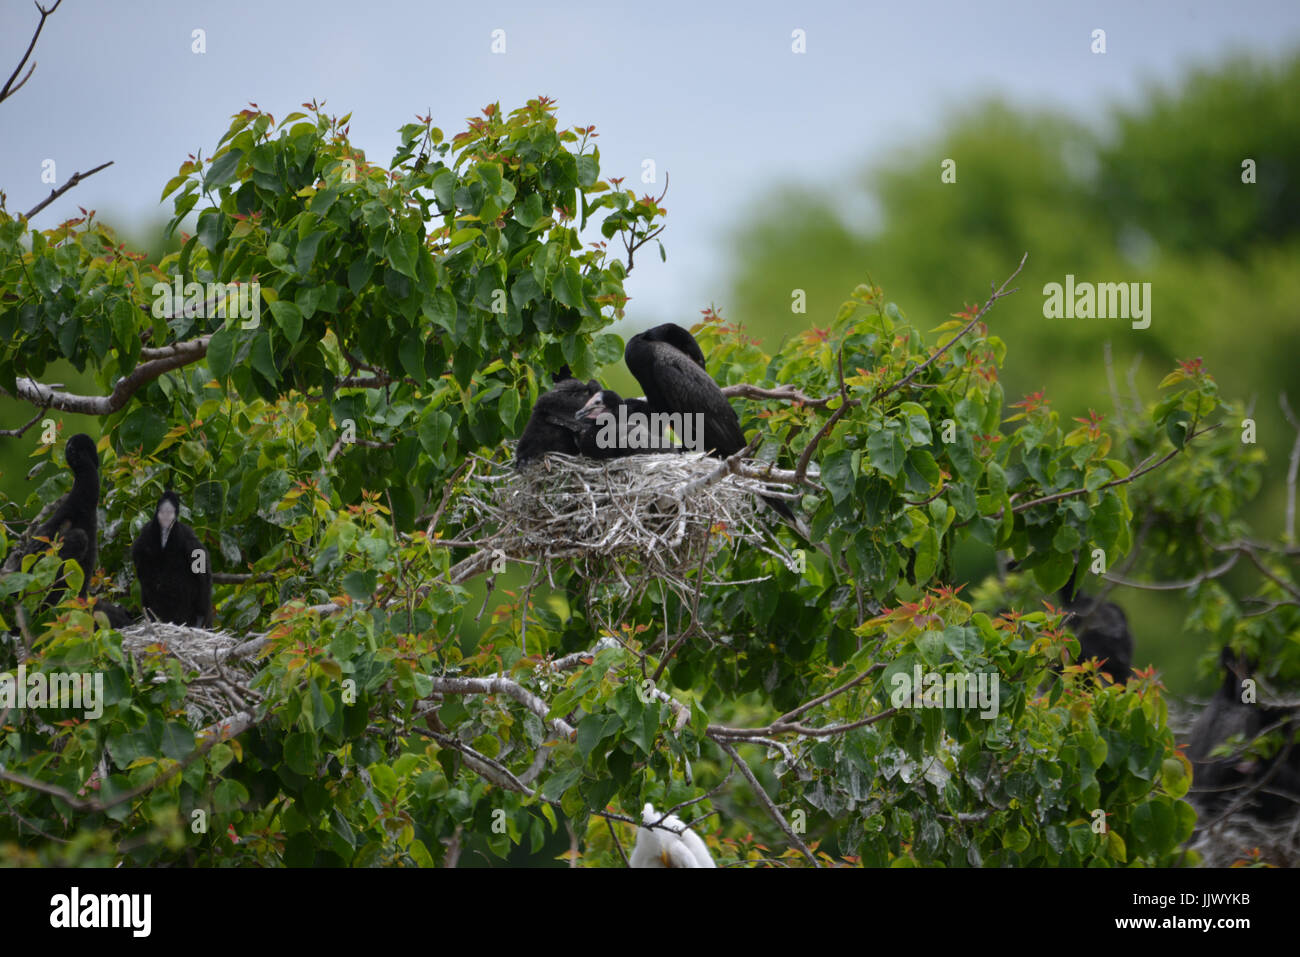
(711, 92)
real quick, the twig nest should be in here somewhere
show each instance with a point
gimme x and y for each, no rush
(218, 677)
(668, 512)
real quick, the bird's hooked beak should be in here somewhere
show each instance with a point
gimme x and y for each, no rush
(594, 408)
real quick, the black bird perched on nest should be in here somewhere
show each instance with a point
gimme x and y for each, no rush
(166, 554)
(554, 425)
(669, 365)
(1220, 781)
(74, 522)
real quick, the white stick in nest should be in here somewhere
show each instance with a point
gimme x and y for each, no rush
(220, 684)
(662, 511)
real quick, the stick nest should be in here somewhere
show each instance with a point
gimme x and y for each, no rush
(669, 514)
(218, 676)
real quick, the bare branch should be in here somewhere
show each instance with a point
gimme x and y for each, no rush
(801, 469)
(56, 193)
(997, 294)
(171, 357)
(784, 393)
(512, 689)
(772, 810)
(17, 433)
(9, 88)
(1175, 586)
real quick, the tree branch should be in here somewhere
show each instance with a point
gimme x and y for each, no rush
(772, 810)
(996, 294)
(56, 193)
(9, 89)
(171, 357)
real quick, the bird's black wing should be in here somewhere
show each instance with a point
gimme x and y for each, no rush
(198, 585)
(686, 388)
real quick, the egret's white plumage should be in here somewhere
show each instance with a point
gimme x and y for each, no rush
(661, 847)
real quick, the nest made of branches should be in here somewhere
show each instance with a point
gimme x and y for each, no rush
(219, 675)
(670, 513)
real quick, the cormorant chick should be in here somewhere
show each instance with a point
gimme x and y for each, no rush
(166, 555)
(628, 429)
(554, 426)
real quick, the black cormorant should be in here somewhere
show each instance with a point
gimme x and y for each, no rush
(554, 425)
(669, 365)
(167, 554)
(1102, 630)
(74, 521)
(613, 426)
(1220, 781)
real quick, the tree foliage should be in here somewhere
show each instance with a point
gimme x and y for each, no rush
(424, 303)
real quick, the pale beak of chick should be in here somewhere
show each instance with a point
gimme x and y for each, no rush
(592, 410)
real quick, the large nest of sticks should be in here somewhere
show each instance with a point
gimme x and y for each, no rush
(218, 672)
(669, 513)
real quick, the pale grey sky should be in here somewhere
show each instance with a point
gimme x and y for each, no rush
(712, 92)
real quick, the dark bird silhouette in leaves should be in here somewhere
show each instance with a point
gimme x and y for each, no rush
(554, 425)
(172, 566)
(75, 520)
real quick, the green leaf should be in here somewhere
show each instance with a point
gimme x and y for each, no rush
(1177, 426)
(222, 170)
(360, 585)
(1054, 571)
(400, 250)
(435, 425)
(885, 452)
(588, 170)
(262, 357)
(305, 254)
(289, 318)
(359, 274)
(927, 556)
(221, 352)
(529, 212)
(837, 475)
(568, 287)
(142, 429)
(411, 354)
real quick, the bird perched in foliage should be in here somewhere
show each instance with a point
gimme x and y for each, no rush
(554, 425)
(1102, 630)
(669, 365)
(172, 565)
(74, 522)
(670, 843)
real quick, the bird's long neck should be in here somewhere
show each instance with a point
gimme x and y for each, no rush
(85, 488)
